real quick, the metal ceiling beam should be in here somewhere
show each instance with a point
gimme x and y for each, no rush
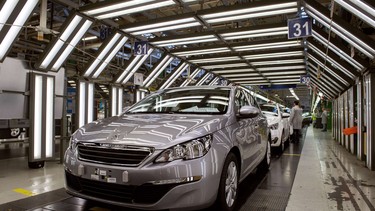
(324, 90)
(336, 58)
(329, 75)
(326, 83)
(336, 71)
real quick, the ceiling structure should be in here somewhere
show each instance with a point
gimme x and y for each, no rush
(195, 42)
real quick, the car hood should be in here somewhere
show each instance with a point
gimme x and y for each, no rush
(151, 130)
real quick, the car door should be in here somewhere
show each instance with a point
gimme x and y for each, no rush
(247, 139)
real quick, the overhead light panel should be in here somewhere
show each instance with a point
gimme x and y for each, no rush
(89, 38)
(190, 78)
(276, 62)
(214, 81)
(201, 51)
(13, 15)
(234, 71)
(249, 78)
(360, 9)
(273, 45)
(105, 54)
(290, 67)
(238, 75)
(283, 73)
(60, 48)
(132, 67)
(185, 41)
(365, 47)
(176, 23)
(157, 70)
(225, 65)
(255, 33)
(251, 12)
(337, 50)
(174, 75)
(217, 59)
(273, 55)
(110, 9)
(203, 79)
(136, 67)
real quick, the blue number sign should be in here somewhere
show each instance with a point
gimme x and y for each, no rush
(300, 27)
(140, 48)
(305, 79)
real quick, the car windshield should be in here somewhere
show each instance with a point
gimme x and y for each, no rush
(269, 108)
(190, 101)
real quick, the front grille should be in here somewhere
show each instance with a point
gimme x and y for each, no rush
(147, 194)
(113, 155)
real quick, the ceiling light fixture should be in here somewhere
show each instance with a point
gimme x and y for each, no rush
(190, 78)
(136, 67)
(174, 75)
(60, 48)
(201, 51)
(105, 54)
(157, 70)
(225, 65)
(217, 59)
(268, 45)
(21, 10)
(273, 55)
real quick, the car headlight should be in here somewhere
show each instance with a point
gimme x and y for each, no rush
(72, 143)
(274, 126)
(189, 150)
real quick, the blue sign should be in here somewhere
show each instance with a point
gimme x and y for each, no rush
(305, 79)
(284, 86)
(140, 48)
(300, 27)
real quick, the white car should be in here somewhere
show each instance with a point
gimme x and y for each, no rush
(278, 122)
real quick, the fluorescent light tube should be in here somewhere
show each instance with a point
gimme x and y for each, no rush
(225, 65)
(160, 25)
(110, 57)
(235, 71)
(218, 59)
(202, 80)
(144, 57)
(116, 6)
(72, 45)
(166, 28)
(60, 42)
(356, 12)
(268, 45)
(190, 78)
(274, 55)
(90, 102)
(50, 97)
(214, 81)
(291, 67)
(174, 76)
(183, 39)
(16, 27)
(241, 79)
(102, 54)
(238, 75)
(120, 100)
(202, 51)
(252, 15)
(156, 72)
(189, 42)
(256, 35)
(128, 68)
(287, 61)
(136, 9)
(82, 104)
(38, 117)
(114, 101)
(89, 38)
(5, 12)
(254, 31)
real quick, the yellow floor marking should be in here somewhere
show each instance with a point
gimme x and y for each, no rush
(23, 191)
(292, 154)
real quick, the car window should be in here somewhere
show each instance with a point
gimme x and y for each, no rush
(203, 101)
(241, 99)
(269, 108)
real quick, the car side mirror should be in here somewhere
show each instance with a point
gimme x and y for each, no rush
(285, 115)
(249, 112)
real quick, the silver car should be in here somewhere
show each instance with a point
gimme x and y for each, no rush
(180, 148)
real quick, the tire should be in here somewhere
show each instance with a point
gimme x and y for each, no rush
(228, 187)
(36, 165)
(266, 162)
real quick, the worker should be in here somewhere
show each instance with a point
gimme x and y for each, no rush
(324, 119)
(295, 120)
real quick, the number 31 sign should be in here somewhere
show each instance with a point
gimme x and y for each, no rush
(300, 27)
(141, 48)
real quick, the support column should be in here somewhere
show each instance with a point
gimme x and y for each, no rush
(360, 108)
(370, 117)
(85, 103)
(116, 100)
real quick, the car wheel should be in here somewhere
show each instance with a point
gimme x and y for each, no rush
(228, 188)
(36, 165)
(266, 162)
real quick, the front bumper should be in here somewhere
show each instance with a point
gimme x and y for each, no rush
(275, 138)
(176, 185)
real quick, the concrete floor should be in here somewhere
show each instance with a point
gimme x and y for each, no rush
(316, 174)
